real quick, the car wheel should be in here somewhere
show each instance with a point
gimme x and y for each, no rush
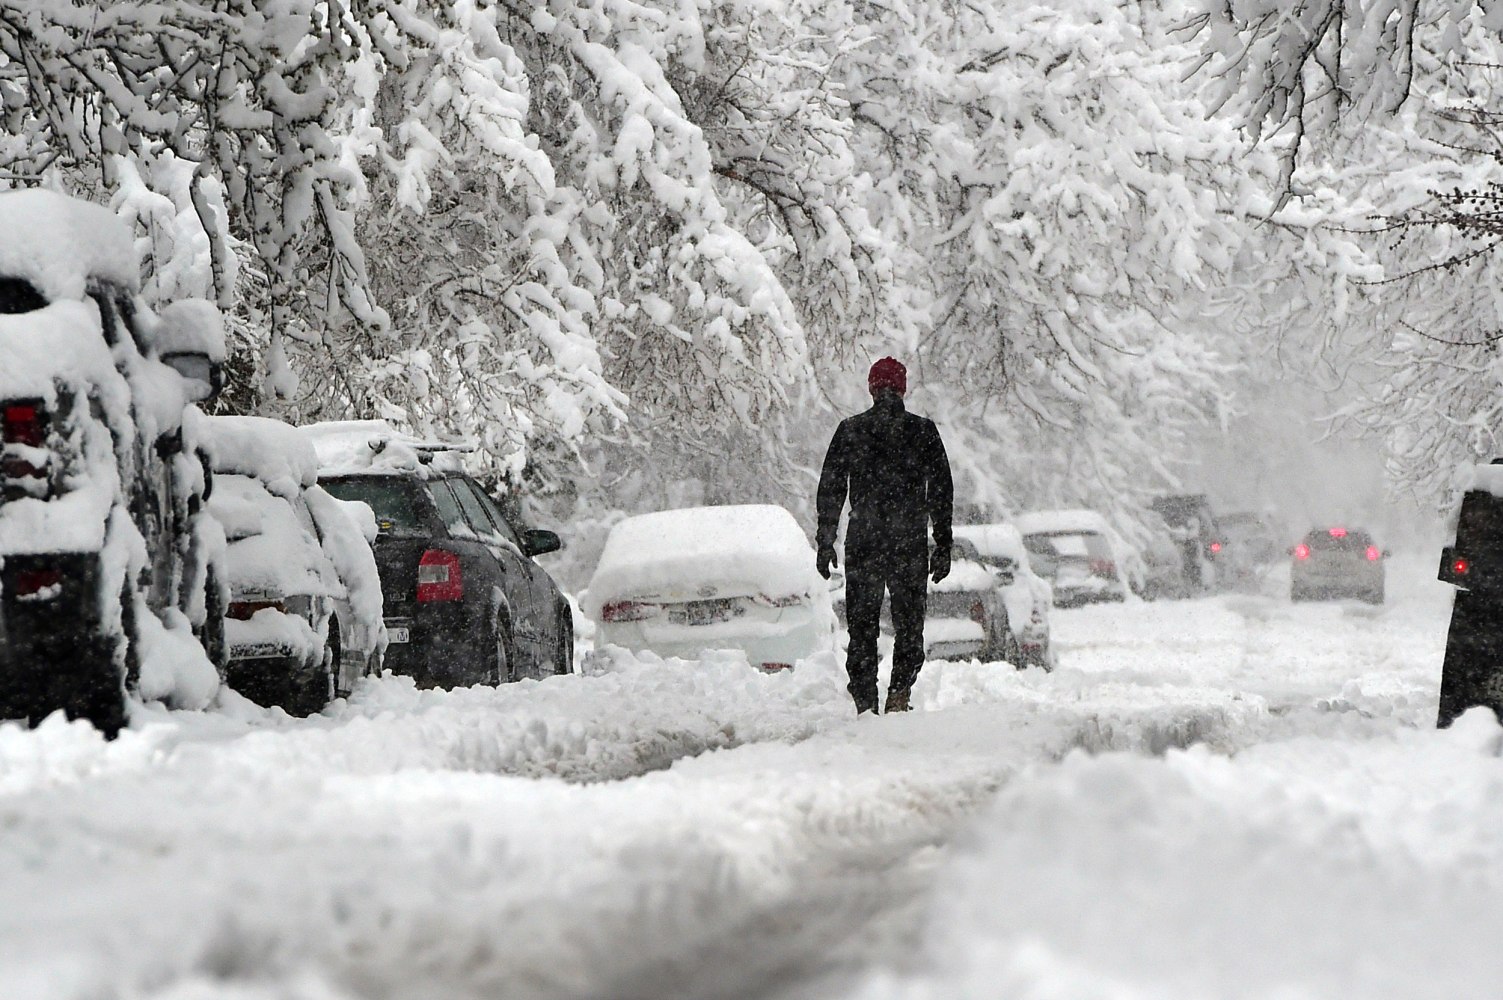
(565, 664)
(501, 665)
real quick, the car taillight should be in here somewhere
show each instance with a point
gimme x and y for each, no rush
(1373, 555)
(242, 611)
(438, 577)
(772, 668)
(978, 613)
(1103, 567)
(37, 584)
(24, 423)
(1460, 566)
(791, 601)
(1215, 547)
(1338, 532)
(1302, 551)
(627, 611)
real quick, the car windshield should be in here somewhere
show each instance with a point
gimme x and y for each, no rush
(395, 500)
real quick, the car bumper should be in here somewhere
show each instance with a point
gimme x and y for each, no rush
(447, 644)
(786, 644)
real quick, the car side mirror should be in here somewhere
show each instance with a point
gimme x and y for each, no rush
(205, 378)
(537, 542)
(190, 340)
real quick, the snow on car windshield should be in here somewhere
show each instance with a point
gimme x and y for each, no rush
(727, 551)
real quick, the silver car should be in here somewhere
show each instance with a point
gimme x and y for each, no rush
(1337, 562)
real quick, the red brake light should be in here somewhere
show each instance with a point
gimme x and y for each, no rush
(627, 611)
(1461, 567)
(1302, 551)
(772, 668)
(978, 613)
(37, 584)
(23, 425)
(438, 577)
(1215, 546)
(1373, 554)
(1338, 532)
(1103, 567)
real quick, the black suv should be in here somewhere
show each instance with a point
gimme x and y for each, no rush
(1473, 670)
(102, 481)
(464, 602)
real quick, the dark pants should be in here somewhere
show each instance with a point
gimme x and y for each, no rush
(905, 578)
(1473, 670)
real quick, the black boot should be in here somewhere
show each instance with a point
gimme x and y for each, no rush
(897, 701)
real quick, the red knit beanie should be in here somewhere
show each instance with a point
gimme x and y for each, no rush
(888, 373)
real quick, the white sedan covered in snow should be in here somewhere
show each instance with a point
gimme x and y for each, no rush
(304, 620)
(679, 582)
(1028, 596)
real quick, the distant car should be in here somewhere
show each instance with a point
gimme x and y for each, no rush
(1251, 549)
(1164, 576)
(1198, 534)
(1072, 549)
(1472, 673)
(464, 601)
(679, 582)
(1337, 562)
(304, 617)
(1029, 597)
(966, 615)
(104, 546)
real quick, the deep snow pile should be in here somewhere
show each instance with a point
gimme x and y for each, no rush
(420, 844)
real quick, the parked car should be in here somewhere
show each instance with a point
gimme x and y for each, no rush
(966, 616)
(464, 601)
(304, 618)
(1199, 537)
(103, 540)
(1472, 673)
(1072, 549)
(1029, 597)
(679, 582)
(1337, 562)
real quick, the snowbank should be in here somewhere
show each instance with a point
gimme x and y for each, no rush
(703, 552)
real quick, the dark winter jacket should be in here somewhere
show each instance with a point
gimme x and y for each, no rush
(894, 467)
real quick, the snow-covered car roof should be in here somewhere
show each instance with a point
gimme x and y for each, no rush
(269, 450)
(993, 541)
(1040, 522)
(1485, 478)
(362, 447)
(965, 576)
(58, 243)
(704, 552)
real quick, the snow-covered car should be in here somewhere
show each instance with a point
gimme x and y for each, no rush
(465, 602)
(304, 617)
(1028, 596)
(1337, 562)
(1072, 549)
(1164, 575)
(106, 556)
(679, 582)
(966, 616)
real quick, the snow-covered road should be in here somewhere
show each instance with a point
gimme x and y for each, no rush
(662, 830)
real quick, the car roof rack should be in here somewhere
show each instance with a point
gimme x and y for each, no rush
(426, 450)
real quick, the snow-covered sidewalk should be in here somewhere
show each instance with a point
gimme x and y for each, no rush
(416, 844)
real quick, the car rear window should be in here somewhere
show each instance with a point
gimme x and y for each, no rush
(1341, 541)
(397, 502)
(1081, 545)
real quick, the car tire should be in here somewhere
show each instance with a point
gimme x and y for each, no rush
(501, 663)
(565, 664)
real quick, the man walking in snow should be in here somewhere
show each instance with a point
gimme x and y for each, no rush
(893, 466)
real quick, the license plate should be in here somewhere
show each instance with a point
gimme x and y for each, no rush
(398, 635)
